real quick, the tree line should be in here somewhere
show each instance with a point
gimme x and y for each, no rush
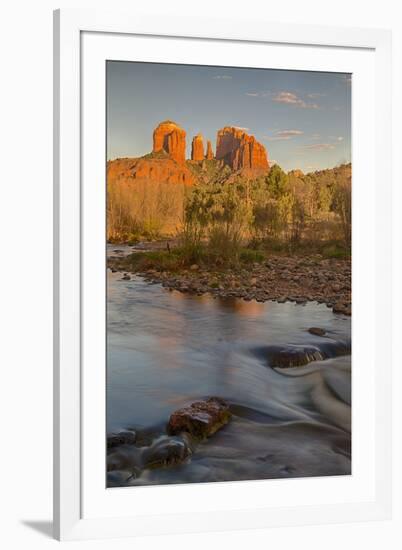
(224, 214)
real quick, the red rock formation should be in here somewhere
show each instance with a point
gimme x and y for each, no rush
(164, 170)
(210, 153)
(197, 148)
(240, 150)
(169, 137)
(167, 162)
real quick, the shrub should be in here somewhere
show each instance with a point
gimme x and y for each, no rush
(249, 256)
(144, 208)
(335, 250)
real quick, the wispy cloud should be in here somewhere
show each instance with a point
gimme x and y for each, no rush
(222, 77)
(315, 95)
(318, 147)
(283, 135)
(259, 94)
(290, 98)
(286, 134)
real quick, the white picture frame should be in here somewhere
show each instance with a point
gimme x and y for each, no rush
(83, 507)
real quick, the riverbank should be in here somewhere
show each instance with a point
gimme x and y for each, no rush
(276, 278)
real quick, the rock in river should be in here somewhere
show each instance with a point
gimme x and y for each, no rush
(317, 331)
(166, 451)
(200, 419)
(294, 356)
(125, 437)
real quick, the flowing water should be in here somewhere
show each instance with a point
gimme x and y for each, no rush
(167, 349)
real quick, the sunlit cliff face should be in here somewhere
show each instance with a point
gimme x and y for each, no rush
(197, 148)
(240, 150)
(171, 138)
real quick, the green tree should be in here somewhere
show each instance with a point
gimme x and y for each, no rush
(342, 205)
(277, 181)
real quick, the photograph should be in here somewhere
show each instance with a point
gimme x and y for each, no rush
(228, 253)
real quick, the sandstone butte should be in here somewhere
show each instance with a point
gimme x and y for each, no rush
(197, 148)
(167, 162)
(171, 138)
(210, 153)
(240, 151)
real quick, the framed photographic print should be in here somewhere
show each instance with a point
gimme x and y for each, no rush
(222, 274)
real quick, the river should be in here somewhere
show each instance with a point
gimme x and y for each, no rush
(166, 349)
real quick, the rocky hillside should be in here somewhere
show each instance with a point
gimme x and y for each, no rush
(156, 167)
(236, 153)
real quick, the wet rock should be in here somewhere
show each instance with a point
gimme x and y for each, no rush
(345, 309)
(167, 451)
(118, 478)
(126, 277)
(294, 356)
(125, 437)
(317, 331)
(200, 419)
(124, 458)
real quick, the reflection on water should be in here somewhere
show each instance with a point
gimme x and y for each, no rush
(166, 349)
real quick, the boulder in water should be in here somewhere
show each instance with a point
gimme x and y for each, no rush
(345, 309)
(295, 356)
(124, 437)
(200, 419)
(166, 451)
(317, 331)
(119, 478)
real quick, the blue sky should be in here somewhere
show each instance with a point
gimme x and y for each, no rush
(302, 118)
